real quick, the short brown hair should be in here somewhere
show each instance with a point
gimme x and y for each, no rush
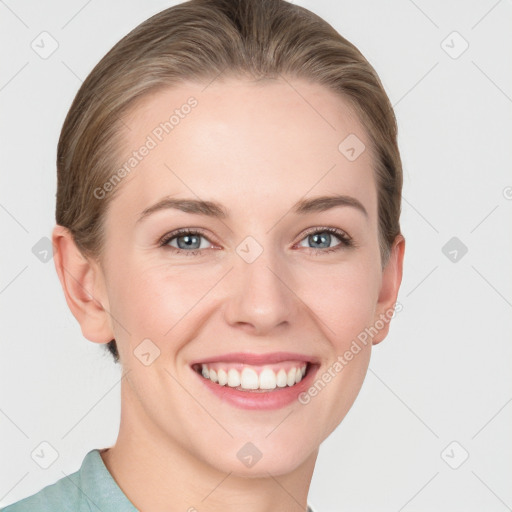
(199, 40)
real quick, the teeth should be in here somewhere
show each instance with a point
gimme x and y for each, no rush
(233, 378)
(249, 378)
(268, 379)
(282, 377)
(222, 376)
(291, 377)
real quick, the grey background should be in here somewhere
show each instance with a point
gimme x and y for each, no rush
(442, 375)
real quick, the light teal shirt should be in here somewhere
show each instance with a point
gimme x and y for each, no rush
(90, 489)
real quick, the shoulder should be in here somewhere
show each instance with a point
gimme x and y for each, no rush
(65, 495)
(62, 496)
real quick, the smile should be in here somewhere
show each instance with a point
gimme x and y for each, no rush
(244, 377)
(256, 381)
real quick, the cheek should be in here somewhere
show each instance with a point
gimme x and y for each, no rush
(156, 301)
(343, 297)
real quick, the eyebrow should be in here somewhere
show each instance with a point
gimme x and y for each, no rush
(216, 210)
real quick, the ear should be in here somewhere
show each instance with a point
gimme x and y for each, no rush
(83, 284)
(391, 279)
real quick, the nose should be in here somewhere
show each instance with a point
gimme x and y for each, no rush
(261, 296)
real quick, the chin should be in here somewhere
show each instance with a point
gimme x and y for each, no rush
(258, 457)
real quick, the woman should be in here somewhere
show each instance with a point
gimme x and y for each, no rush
(229, 188)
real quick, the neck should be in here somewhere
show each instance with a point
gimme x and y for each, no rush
(158, 474)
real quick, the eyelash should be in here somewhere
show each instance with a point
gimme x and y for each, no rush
(345, 240)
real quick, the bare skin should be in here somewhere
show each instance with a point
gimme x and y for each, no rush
(256, 148)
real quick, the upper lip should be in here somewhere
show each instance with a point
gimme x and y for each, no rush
(257, 359)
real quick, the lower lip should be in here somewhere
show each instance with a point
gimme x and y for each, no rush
(258, 400)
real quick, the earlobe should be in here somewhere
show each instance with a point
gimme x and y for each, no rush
(83, 285)
(391, 280)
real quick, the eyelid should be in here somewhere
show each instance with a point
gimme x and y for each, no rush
(345, 239)
(163, 240)
(341, 233)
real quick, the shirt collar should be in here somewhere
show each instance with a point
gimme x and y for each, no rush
(100, 488)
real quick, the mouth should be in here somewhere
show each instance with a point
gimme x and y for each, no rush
(257, 381)
(254, 378)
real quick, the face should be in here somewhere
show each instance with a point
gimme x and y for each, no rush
(252, 286)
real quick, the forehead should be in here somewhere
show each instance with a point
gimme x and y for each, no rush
(244, 143)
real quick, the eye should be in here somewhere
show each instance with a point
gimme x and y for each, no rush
(324, 236)
(188, 241)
